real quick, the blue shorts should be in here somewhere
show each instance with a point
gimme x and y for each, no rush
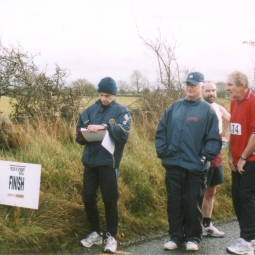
(215, 176)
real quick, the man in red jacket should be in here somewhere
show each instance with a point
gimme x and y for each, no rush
(242, 159)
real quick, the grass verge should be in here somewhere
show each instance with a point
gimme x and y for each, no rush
(60, 222)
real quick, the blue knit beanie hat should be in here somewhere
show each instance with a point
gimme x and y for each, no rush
(107, 85)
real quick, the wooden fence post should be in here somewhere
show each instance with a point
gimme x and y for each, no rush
(16, 216)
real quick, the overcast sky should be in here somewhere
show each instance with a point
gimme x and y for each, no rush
(98, 38)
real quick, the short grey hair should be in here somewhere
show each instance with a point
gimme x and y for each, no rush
(209, 81)
(240, 78)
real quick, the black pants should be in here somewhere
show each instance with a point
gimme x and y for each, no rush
(185, 193)
(243, 195)
(106, 179)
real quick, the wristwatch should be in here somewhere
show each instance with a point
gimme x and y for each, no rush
(241, 157)
(105, 126)
(203, 159)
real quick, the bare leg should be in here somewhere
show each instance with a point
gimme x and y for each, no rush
(209, 201)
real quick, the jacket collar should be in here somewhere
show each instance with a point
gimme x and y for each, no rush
(100, 103)
(246, 97)
(198, 100)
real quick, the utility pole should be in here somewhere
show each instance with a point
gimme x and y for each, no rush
(252, 44)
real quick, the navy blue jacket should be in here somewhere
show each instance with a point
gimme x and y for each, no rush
(188, 130)
(118, 120)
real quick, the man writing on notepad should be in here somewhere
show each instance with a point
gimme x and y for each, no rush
(100, 166)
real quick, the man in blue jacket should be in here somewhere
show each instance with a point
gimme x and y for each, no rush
(100, 166)
(187, 138)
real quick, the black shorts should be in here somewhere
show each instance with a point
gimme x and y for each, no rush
(215, 176)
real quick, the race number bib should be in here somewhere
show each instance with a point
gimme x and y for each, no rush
(235, 129)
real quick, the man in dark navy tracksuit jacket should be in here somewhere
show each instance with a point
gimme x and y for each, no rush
(187, 138)
(100, 166)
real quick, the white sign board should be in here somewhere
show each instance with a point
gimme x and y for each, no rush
(20, 184)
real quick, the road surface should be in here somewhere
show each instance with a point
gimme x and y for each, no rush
(154, 246)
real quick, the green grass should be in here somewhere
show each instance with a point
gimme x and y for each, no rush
(60, 221)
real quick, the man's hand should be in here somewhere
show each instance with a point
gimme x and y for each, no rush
(232, 165)
(240, 165)
(94, 128)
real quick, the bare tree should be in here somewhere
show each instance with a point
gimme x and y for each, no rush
(85, 87)
(123, 87)
(170, 75)
(138, 81)
(170, 86)
(221, 90)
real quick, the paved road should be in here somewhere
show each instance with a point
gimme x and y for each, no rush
(208, 246)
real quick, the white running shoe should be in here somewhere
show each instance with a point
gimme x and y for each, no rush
(212, 231)
(91, 239)
(191, 246)
(170, 245)
(111, 244)
(241, 247)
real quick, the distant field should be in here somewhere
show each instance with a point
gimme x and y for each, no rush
(5, 107)
(123, 100)
(127, 100)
